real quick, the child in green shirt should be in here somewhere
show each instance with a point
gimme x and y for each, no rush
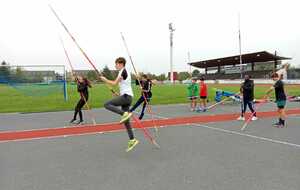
(193, 92)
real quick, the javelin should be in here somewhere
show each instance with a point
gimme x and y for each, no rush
(251, 116)
(74, 75)
(143, 93)
(78, 46)
(146, 132)
(137, 76)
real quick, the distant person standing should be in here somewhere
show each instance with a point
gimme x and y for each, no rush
(280, 98)
(247, 91)
(203, 95)
(193, 91)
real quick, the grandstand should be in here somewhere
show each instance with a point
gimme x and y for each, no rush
(258, 65)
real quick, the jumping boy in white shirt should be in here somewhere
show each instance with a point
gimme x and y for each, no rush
(124, 99)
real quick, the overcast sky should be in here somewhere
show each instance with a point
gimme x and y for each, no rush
(207, 29)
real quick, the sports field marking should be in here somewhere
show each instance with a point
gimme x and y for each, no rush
(248, 135)
(157, 116)
(243, 134)
(6, 136)
(294, 116)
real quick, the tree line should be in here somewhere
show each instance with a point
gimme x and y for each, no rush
(112, 74)
(19, 75)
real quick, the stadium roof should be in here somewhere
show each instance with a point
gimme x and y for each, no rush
(256, 57)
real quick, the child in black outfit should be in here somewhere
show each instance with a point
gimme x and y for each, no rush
(82, 87)
(247, 90)
(280, 98)
(146, 93)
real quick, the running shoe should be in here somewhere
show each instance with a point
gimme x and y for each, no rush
(125, 117)
(80, 122)
(254, 118)
(199, 110)
(141, 116)
(277, 124)
(72, 121)
(241, 118)
(131, 144)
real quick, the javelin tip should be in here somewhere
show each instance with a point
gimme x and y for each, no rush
(50, 6)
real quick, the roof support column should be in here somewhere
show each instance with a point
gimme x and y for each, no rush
(275, 61)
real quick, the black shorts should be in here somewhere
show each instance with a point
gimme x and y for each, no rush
(193, 97)
(203, 97)
(281, 103)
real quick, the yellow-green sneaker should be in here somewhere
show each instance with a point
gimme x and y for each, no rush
(125, 117)
(131, 144)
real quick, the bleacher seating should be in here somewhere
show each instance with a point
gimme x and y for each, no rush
(263, 74)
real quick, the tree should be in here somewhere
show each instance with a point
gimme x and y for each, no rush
(151, 76)
(19, 76)
(183, 76)
(114, 73)
(4, 72)
(161, 77)
(38, 78)
(92, 75)
(107, 73)
(195, 73)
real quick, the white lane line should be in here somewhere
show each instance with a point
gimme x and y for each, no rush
(294, 116)
(248, 135)
(240, 134)
(158, 116)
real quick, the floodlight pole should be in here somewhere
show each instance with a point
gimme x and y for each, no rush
(171, 29)
(189, 61)
(240, 47)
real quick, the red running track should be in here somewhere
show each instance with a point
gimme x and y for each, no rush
(109, 127)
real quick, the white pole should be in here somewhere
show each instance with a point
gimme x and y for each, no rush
(189, 61)
(171, 52)
(240, 47)
(171, 58)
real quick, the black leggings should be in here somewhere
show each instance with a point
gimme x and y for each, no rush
(124, 101)
(78, 108)
(248, 103)
(138, 103)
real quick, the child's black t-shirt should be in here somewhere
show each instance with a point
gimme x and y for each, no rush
(279, 90)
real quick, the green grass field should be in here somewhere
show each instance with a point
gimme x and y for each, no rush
(12, 100)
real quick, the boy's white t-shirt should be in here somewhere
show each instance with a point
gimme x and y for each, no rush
(125, 83)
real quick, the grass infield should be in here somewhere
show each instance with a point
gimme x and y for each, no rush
(12, 100)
